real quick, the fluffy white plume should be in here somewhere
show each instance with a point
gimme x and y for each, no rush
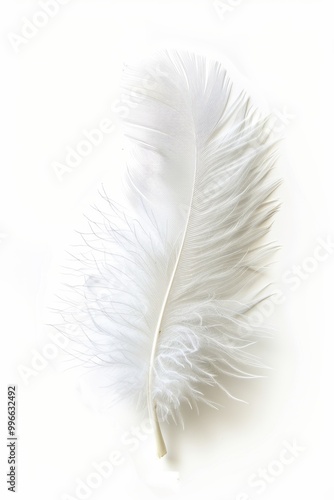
(166, 295)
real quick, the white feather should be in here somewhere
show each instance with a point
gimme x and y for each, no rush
(165, 302)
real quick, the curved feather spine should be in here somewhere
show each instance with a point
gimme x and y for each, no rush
(165, 301)
(161, 446)
(233, 144)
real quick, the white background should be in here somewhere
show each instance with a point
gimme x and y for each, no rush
(65, 79)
